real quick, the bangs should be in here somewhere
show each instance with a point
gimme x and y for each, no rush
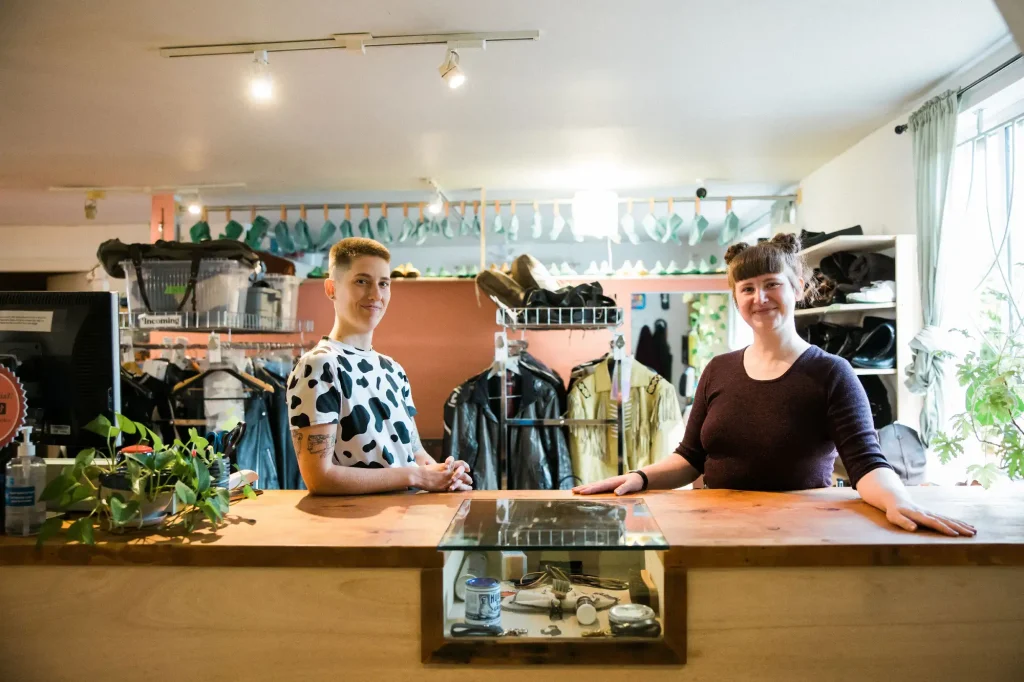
(762, 259)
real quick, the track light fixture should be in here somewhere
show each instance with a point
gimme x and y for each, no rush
(450, 71)
(261, 86)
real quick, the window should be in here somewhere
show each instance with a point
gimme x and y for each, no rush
(982, 245)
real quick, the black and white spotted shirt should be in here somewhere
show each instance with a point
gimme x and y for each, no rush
(366, 394)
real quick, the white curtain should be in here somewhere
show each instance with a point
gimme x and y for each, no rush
(933, 128)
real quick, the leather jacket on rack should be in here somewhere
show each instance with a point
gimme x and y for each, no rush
(539, 455)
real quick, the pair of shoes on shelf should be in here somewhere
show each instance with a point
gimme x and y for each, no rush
(563, 270)
(406, 271)
(462, 272)
(630, 270)
(872, 346)
(878, 292)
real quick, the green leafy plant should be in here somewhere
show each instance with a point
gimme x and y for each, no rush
(119, 487)
(993, 375)
(709, 328)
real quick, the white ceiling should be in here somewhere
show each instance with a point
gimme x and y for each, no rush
(648, 93)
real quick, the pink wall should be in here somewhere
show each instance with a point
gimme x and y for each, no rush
(442, 335)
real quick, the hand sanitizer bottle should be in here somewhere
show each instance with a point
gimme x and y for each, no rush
(24, 513)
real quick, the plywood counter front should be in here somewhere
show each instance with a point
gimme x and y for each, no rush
(810, 585)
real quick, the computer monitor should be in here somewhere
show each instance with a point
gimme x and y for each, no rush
(63, 346)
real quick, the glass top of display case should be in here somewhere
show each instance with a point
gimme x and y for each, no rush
(553, 524)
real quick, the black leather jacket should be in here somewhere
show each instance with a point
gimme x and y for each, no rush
(539, 455)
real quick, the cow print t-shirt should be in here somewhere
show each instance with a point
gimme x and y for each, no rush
(366, 394)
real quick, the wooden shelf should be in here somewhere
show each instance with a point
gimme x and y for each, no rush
(874, 372)
(839, 308)
(849, 243)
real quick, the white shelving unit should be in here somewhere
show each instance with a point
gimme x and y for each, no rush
(905, 312)
(846, 308)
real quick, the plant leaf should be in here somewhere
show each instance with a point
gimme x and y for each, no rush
(212, 514)
(118, 510)
(202, 475)
(125, 424)
(57, 487)
(162, 459)
(100, 426)
(85, 457)
(79, 493)
(50, 527)
(186, 495)
(247, 491)
(81, 531)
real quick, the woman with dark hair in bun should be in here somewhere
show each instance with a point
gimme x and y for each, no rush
(773, 415)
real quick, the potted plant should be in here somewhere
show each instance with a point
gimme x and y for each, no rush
(993, 375)
(137, 486)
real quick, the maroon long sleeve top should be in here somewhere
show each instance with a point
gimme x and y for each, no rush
(783, 433)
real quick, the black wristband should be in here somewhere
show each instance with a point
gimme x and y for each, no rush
(643, 476)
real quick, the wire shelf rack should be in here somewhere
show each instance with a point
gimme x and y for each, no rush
(559, 318)
(236, 323)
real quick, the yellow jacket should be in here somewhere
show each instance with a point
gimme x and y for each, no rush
(652, 417)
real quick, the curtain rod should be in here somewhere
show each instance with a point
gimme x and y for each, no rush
(903, 127)
(545, 202)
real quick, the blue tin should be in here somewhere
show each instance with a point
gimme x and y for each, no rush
(483, 601)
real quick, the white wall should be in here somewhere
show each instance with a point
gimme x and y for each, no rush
(871, 184)
(60, 248)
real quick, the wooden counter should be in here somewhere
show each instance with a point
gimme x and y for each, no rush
(777, 586)
(706, 529)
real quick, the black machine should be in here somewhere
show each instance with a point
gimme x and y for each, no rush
(63, 346)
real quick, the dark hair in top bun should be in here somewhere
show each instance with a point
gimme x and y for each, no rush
(735, 250)
(789, 243)
(779, 255)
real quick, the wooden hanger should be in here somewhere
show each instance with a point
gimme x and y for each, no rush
(247, 379)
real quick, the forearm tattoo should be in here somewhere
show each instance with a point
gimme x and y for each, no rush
(297, 441)
(321, 445)
(414, 434)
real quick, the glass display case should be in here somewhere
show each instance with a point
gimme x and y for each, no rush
(553, 570)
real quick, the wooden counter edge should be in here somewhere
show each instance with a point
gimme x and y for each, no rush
(694, 557)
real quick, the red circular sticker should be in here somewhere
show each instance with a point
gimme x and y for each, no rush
(12, 406)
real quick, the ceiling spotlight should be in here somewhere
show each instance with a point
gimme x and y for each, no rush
(194, 208)
(261, 86)
(436, 206)
(450, 71)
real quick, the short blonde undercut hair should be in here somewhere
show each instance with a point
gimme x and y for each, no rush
(347, 250)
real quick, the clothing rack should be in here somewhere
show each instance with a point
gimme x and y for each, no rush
(552, 319)
(243, 345)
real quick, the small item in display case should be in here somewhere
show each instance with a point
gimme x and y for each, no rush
(633, 620)
(586, 613)
(513, 565)
(483, 601)
(642, 589)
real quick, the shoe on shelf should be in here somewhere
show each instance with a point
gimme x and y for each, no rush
(410, 271)
(877, 349)
(690, 269)
(703, 268)
(553, 270)
(809, 239)
(506, 268)
(567, 270)
(878, 292)
(625, 271)
(473, 271)
(400, 272)
(501, 288)
(592, 269)
(673, 269)
(429, 273)
(444, 272)
(640, 270)
(606, 269)
(461, 272)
